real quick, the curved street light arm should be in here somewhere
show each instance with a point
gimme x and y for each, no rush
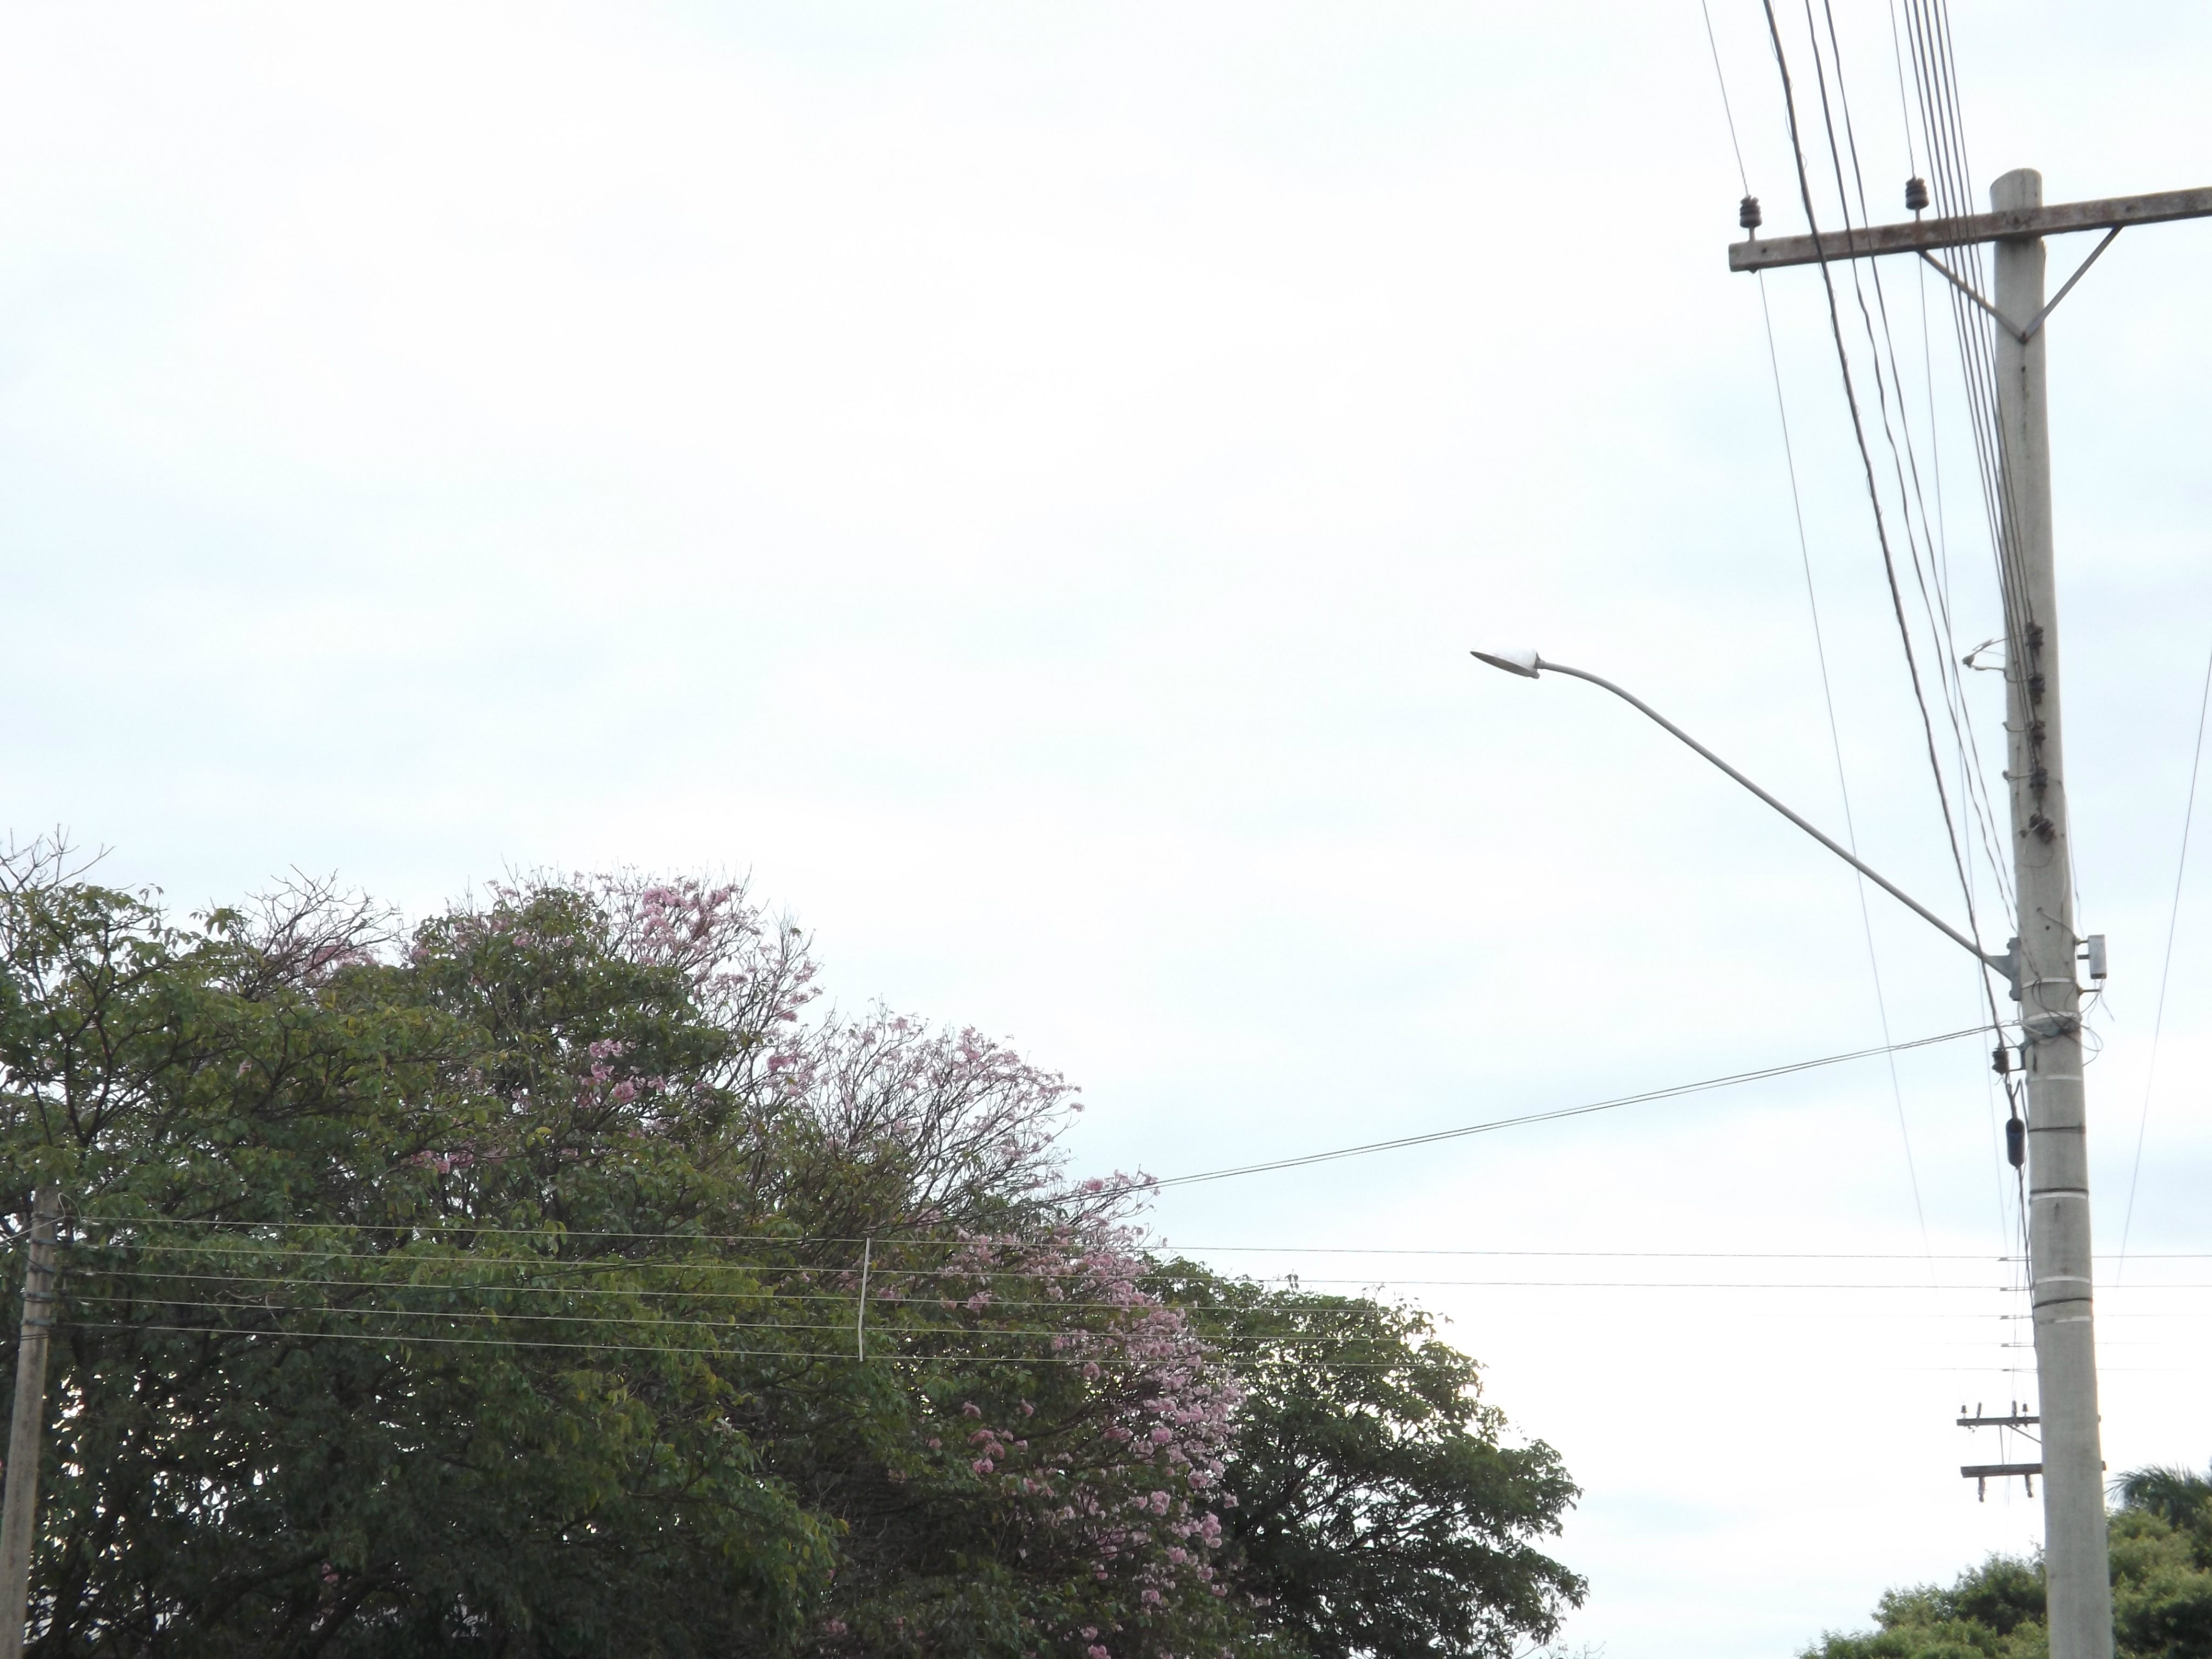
(2003, 964)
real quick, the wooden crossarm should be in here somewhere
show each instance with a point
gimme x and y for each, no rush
(1922, 234)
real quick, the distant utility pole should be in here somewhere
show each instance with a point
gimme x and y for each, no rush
(19, 1505)
(2076, 1569)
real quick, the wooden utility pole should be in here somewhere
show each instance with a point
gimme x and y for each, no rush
(19, 1506)
(2078, 1585)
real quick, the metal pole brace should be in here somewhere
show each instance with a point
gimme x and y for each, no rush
(2023, 335)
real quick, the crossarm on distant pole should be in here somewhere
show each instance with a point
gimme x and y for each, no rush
(2002, 965)
(1866, 241)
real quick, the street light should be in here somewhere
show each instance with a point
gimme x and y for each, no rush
(1528, 664)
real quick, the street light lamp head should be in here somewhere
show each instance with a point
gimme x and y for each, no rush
(1513, 658)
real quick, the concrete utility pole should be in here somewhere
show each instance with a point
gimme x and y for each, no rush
(19, 1506)
(2077, 1574)
(2079, 1604)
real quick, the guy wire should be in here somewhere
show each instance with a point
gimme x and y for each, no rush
(2166, 966)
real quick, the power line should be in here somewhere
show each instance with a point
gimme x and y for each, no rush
(1726, 109)
(1198, 1320)
(455, 1226)
(403, 1341)
(1935, 74)
(1905, 459)
(1611, 1255)
(1668, 1255)
(1970, 763)
(1678, 1089)
(1949, 679)
(816, 1356)
(1904, 104)
(889, 1296)
(1935, 598)
(1851, 399)
(1836, 746)
(887, 1301)
(523, 1316)
(893, 1298)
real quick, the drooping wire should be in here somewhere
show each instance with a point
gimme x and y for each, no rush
(1858, 429)
(1836, 746)
(1903, 459)
(1978, 340)
(2166, 964)
(1821, 655)
(1904, 462)
(1942, 129)
(1936, 596)
(1432, 1138)
(1938, 614)
(1148, 1184)
(1935, 69)
(1935, 75)
(1969, 759)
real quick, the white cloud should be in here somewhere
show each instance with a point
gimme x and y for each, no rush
(1023, 481)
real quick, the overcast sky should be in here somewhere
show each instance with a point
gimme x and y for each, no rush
(1021, 481)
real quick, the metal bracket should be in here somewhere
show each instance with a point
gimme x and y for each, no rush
(1982, 1473)
(2023, 335)
(2020, 1421)
(2006, 966)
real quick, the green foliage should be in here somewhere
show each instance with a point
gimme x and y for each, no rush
(1376, 1509)
(499, 1289)
(2161, 1547)
(248, 1454)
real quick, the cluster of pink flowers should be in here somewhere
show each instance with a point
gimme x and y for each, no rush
(1137, 1492)
(754, 977)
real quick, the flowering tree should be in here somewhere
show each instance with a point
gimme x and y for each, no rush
(1031, 1396)
(563, 1276)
